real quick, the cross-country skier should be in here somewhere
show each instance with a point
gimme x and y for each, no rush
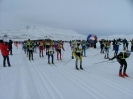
(31, 48)
(41, 48)
(78, 56)
(58, 50)
(121, 58)
(50, 53)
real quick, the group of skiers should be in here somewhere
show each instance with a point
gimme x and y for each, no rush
(78, 51)
(50, 46)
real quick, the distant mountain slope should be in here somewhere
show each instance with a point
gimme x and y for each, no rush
(34, 32)
(117, 36)
(43, 33)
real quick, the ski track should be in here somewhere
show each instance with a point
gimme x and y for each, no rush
(75, 80)
(18, 88)
(53, 88)
(113, 84)
(33, 79)
(80, 83)
(27, 89)
(100, 80)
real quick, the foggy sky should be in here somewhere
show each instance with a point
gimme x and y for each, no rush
(100, 17)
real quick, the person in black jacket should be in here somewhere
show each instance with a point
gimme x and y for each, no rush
(10, 47)
(121, 58)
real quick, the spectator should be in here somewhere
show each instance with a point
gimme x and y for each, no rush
(10, 46)
(5, 53)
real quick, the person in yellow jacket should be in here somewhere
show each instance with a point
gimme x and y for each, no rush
(121, 58)
(78, 56)
(31, 48)
(28, 43)
(47, 46)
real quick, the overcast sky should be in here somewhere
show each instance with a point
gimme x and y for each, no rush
(98, 17)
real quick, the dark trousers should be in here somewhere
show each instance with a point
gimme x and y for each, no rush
(30, 54)
(123, 63)
(4, 60)
(51, 57)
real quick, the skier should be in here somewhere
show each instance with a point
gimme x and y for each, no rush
(47, 46)
(10, 46)
(83, 48)
(50, 53)
(24, 47)
(28, 43)
(106, 49)
(58, 49)
(78, 55)
(121, 58)
(73, 46)
(31, 48)
(117, 44)
(41, 48)
(131, 45)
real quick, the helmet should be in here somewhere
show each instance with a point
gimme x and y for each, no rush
(128, 53)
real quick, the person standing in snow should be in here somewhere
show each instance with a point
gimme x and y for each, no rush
(5, 53)
(117, 44)
(41, 45)
(50, 54)
(83, 48)
(10, 46)
(73, 46)
(31, 48)
(58, 49)
(28, 43)
(131, 45)
(121, 58)
(106, 49)
(78, 56)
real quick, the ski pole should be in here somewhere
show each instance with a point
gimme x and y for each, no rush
(101, 62)
(97, 54)
(67, 62)
(112, 62)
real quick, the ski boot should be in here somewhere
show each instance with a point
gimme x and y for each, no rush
(120, 75)
(124, 74)
(77, 68)
(72, 57)
(81, 67)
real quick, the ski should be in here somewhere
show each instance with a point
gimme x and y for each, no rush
(31, 60)
(54, 65)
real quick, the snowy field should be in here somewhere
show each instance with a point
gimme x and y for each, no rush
(38, 80)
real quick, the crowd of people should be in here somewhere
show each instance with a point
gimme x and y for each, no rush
(78, 50)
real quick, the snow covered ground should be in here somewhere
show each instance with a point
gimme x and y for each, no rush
(38, 80)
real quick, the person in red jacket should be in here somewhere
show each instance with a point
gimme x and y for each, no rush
(58, 50)
(41, 45)
(5, 53)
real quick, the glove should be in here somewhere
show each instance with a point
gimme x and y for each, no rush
(72, 57)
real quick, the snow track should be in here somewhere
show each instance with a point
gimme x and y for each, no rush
(39, 80)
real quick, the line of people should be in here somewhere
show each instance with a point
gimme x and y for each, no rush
(51, 47)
